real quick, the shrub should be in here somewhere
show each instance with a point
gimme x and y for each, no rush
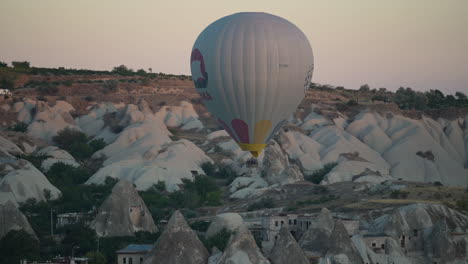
(97, 144)
(438, 183)
(318, 175)
(19, 127)
(209, 168)
(17, 245)
(262, 204)
(219, 240)
(122, 70)
(80, 150)
(68, 83)
(200, 225)
(47, 89)
(352, 102)
(61, 174)
(397, 194)
(111, 85)
(67, 135)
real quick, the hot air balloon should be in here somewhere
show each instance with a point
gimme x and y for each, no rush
(251, 70)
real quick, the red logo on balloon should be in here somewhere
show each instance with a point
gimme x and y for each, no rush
(199, 78)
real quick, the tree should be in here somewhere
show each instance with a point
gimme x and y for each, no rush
(21, 65)
(460, 96)
(77, 237)
(141, 72)
(122, 70)
(17, 245)
(96, 257)
(66, 136)
(364, 88)
(435, 98)
(97, 144)
(3, 64)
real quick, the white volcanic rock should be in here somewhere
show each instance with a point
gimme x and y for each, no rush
(177, 244)
(144, 154)
(242, 248)
(92, 124)
(399, 139)
(217, 134)
(123, 213)
(183, 116)
(24, 110)
(229, 221)
(277, 168)
(314, 120)
(12, 219)
(336, 142)
(286, 250)
(302, 148)
(8, 197)
(8, 147)
(24, 181)
(418, 216)
(50, 120)
(356, 171)
(215, 256)
(55, 155)
(316, 238)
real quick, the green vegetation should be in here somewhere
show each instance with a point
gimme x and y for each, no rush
(19, 127)
(318, 175)
(262, 204)
(76, 143)
(397, 194)
(321, 200)
(17, 245)
(219, 171)
(96, 257)
(36, 160)
(218, 240)
(202, 191)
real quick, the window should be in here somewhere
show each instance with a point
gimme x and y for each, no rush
(282, 223)
(289, 221)
(374, 245)
(141, 260)
(295, 221)
(383, 246)
(415, 232)
(130, 261)
(276, 223)
(124, 260)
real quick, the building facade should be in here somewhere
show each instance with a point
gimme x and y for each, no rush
(133, 253)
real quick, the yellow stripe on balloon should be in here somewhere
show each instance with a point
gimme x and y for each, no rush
(262, 128)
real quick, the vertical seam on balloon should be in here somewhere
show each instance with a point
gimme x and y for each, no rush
(276, 82)
(218, 69)
(266, 72)
(236, 106)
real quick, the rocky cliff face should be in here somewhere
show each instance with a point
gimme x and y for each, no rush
(286, 250)
(123, 213)
(242, 249)
(178, 244)
(12, 219)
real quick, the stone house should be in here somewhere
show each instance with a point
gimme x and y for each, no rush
(133, 253)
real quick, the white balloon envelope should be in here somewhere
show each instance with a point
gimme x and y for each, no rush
(252, 71)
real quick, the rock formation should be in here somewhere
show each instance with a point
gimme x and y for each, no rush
(178, 244)
(230, 221)
(12, 219)
(242, 248)
(286, 250)
(123, 213)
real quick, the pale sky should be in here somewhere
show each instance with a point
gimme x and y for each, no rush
(418, 43)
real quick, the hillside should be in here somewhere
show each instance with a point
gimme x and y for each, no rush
(361, 153)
